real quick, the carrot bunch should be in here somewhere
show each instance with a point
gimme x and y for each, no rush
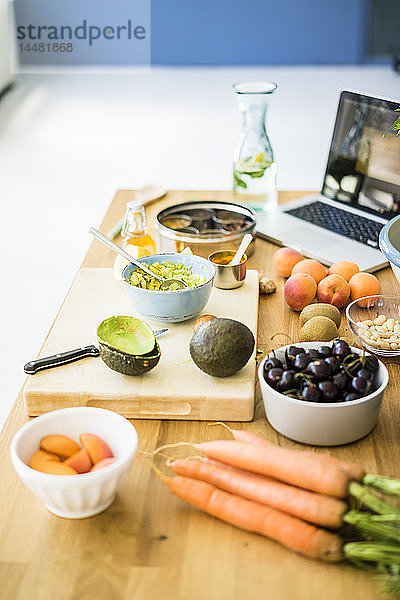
(294, 497)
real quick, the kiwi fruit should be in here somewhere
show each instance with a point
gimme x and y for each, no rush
(322, 329)
(320, 310)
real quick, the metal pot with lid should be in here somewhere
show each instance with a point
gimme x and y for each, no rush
(221, 226)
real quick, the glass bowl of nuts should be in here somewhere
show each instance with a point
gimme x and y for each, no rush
(375, 322)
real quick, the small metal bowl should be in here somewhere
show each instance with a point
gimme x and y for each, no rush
(226, 218)
(202, 218)
(177, 221)
(228, 277)
(192, 230)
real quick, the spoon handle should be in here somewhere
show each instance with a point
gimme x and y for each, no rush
(105, 240)
(241, 250)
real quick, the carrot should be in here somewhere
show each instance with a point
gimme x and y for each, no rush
(357, 491)
(286, 465)
(240, 435)
(291, 532)
(315, 508)
(353, 470)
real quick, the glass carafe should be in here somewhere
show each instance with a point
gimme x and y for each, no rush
(254, 167)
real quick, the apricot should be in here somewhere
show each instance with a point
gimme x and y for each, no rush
(334, 290)
(96, 447)
(103, 463)
(59, 444)
(311, 267)
(364, 284)
(41, 456)
(80, 461)
(45, 462)
(284, 260)
(56, 468)
(299, 290)
(345, 268)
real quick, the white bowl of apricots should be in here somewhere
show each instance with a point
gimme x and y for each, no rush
(74, 459)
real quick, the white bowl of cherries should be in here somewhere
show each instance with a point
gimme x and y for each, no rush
(322, 394)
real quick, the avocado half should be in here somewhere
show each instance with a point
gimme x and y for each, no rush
(221, 347)
(128, 345)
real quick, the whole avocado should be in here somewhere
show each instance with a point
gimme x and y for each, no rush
(221, 347)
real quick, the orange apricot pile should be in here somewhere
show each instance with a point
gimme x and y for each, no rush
(60, 455)
(308, 278)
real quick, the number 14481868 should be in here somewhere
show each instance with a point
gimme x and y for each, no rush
(46, 47)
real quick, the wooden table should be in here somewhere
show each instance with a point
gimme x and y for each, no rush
(149, 544)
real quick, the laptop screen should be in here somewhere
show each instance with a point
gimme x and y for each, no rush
(363, 168)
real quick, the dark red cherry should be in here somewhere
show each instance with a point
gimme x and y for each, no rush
(360, 385)
(273, 376)
(311, 393)
(318, 369)
(287, 381)
(329, 391)
(300, 362)
(291, 353)
(341, 380)
(371, 363)
(334, 364)
(272, 363)
(340, 348)
(313, 354)
(324, 351)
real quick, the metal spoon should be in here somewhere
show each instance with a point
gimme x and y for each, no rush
(241, 250)
(164, 283)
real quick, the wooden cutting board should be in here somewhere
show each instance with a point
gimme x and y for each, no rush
(174, 389)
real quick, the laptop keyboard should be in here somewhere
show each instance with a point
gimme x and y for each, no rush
(340, 221)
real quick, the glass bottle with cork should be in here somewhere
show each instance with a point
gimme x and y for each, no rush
(134, 229)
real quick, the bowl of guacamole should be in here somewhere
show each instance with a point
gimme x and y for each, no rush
(172, 305)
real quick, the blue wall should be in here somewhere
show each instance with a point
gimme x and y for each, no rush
(208, 32)
(215, 32)
(90, 18)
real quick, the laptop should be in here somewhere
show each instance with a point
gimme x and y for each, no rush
(360, 190)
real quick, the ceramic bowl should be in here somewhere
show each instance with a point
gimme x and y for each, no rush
(86, 494)
(389, 244)
(383, 343)
(176, 306)
(322, 423)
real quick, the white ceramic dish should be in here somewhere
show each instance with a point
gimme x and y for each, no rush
(87, 494)
(322, 423)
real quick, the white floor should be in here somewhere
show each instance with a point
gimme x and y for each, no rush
(68, 142)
